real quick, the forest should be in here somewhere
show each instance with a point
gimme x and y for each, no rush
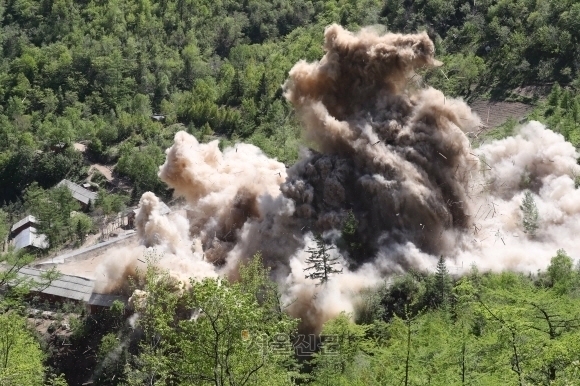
(122, 77)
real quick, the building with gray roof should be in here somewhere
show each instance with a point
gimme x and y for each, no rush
(79, 193)
(66, 286)
(24, 223)
(30, 238)
(69, 287)
(25, 235)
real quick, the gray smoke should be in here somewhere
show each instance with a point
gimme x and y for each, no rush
(395, 156)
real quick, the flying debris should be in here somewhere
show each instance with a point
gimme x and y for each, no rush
(428, 175)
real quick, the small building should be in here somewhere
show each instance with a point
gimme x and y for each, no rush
(25, 235)
(69, 288)
(99, 302)
(158, 117)
(26, 222)
(30, 239)
(82, 195)
(65, 288)
(163, 210)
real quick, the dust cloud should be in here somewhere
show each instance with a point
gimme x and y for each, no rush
(538, 160)
(395, 156)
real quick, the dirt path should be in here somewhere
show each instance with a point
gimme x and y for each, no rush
(104, 170)
(83, 262)
(80, 147)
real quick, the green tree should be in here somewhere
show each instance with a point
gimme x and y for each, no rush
(562, 276)
(399, 356)
(4, 229)
(555, 95)
(112, 356)
(54, 380)
(142, 168)
(320, 262)
(20, 354)
(255, 281)
(82, 224)
(529, 214)
(443, 285)
(342, 342)
(349, 234)
(222, 336)
(111, 203)
(537, 328)
(53, 208)
(15, 286)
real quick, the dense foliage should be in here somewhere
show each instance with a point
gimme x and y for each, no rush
(561, 112)
(437, 329)
(20, 354)
(122, 77)
(495, 329)
(502, 44)
(98, 71)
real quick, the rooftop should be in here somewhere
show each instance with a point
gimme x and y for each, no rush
(106, 300)
(70, 287)
(29, 237)
(79, 193)
(24, 221)
(66, 286)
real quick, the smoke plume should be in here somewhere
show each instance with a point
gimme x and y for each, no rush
(394, 156)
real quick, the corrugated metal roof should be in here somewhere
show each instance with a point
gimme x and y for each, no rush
(78, 192)
(106, 300)
(163, 209)
(29, 237)
(66, 286)
(24, 221)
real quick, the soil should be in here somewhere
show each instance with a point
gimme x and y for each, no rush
(104, 170)
(80, 147)
(87, 267)
(494, 114)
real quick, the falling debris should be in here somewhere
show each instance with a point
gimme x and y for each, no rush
(411, 202)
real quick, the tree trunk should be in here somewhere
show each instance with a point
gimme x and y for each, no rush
(408, 351)
(463, 364)
(516, 367)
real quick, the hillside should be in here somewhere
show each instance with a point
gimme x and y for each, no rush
(339, 216)
(97, 72)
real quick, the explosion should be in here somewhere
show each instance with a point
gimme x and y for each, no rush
(394, 156)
